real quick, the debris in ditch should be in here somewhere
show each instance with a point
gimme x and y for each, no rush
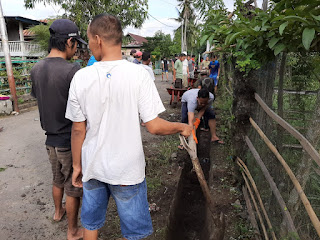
(169, 173)
(237, 204)
(153, 207)
(174, 155)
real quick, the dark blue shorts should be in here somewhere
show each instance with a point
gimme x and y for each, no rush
(132, 206)
(208, 114)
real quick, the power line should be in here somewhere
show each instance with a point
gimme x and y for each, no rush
(169, 3)
(160, 21)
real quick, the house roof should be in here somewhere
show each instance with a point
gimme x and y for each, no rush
(138, 39)
(24, 20)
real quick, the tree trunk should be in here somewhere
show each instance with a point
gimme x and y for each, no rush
(182, 41)
(265, 5)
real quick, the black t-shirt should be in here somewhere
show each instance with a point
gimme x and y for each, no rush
(208, 84)
(51, 78)
(165, 64)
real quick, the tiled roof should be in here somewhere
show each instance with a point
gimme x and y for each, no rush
(138, 39)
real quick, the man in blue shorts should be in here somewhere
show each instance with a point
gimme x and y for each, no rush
(199, 100)
(214, 68)
(165, 68)
(105, 103)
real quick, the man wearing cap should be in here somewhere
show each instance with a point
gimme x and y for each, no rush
(137, 57)
(51, 79)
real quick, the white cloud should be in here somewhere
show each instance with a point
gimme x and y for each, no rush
(16, 8)
(151, 26)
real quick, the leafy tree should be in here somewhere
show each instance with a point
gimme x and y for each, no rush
(160, 44)
(256, 37)
(129, 12)
(42, 34)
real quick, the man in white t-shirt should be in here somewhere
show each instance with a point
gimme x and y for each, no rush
(146, 59)
(185, 71)
(105, 102)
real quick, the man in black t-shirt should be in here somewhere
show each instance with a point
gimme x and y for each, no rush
(165, 68)
(51, 78)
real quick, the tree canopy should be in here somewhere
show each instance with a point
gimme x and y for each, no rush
(129, 12)
(255, 37)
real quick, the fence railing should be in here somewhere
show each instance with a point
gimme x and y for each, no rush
(19, 48)
(246, 174)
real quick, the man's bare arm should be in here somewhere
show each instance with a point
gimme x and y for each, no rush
(159, 126)
(78, 134)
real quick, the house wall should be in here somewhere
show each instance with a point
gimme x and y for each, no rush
(13, 31)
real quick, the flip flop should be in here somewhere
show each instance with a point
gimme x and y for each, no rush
(217, 142)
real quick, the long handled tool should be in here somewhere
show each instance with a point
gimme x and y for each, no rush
(191, 147)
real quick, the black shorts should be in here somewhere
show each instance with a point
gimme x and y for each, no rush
(208, 114)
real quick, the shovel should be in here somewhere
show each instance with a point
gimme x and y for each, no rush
(219, 222)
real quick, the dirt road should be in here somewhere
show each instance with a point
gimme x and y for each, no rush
(26, 205)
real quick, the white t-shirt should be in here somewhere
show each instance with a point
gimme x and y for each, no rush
(110, 96)
(149, 69)
(184, 67)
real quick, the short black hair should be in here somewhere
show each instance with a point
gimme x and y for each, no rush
(203, 93)
(145, 56)
(60, 43)
(108, 27)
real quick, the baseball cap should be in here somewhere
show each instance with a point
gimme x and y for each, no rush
(138, 53)
(182, 54)
(65, 28)
(185, 53)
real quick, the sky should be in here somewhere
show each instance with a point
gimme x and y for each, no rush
(163, 10)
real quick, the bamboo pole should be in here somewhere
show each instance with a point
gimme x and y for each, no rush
(251, 212)
(256, 207)
(247, 172)
(5, 45)
(313, 217)
(303, 141)
(273, 186)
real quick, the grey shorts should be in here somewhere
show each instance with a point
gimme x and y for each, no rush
(61, 164)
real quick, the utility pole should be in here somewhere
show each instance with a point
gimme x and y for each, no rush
(5, 46)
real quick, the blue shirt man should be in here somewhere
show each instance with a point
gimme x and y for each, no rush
(214, 67)
(91, 61)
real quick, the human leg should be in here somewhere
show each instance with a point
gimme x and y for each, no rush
(133, 210)
(57, 184)
(167, 74)
(185, 81)
(72, 207)
(64, 157)
(59, 210)
(94, 207)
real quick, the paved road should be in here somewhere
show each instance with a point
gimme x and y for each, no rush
(26, 205)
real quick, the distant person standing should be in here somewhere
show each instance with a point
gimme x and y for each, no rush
(173, 61)
(185, 68)
(91, 61)
(165, 69)
(137, 57)
(214, 68)
(178, 72)
(131, 57)
(51, 78)
(191, 66)
(146, 59)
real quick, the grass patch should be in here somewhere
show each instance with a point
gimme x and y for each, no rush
(2, 169)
